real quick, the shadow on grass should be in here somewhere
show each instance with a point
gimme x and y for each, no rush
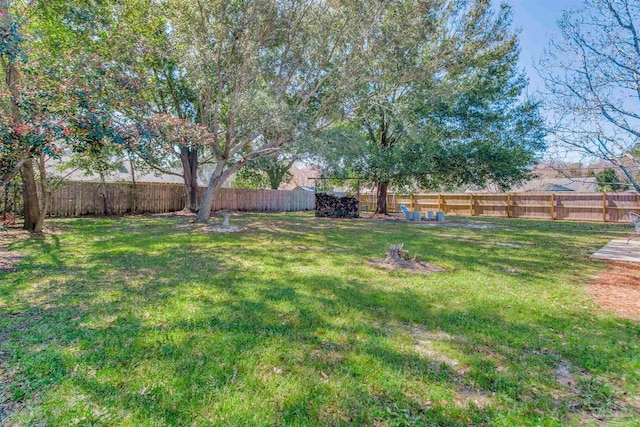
(173, 328)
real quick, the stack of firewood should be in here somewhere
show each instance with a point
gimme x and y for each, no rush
(336, 207)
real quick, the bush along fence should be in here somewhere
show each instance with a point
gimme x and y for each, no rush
(94, 198)
(596, 207)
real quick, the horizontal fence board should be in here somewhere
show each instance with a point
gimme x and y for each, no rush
(596, 207)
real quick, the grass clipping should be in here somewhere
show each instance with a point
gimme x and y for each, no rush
(399, 259)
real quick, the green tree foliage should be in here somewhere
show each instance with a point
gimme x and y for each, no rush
(417, 92)
(68, 82)
(608, 181)
(265, 172)
(164, 139)
(171, 136)
(267, 72)
(443, 107)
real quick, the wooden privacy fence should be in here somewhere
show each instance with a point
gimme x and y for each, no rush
(88, 198)
(602, 207)
(244, 199)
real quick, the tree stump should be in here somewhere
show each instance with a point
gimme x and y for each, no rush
(395, 253)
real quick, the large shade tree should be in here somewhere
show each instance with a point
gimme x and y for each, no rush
(268, 67)
(62, 89)
(442, 105)
(172, 138)
(592, 76)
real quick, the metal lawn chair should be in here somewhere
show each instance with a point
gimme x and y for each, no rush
(634, 218)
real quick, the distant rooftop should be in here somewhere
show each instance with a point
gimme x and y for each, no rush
(578, 185)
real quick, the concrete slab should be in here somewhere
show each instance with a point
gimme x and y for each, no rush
(620, 250)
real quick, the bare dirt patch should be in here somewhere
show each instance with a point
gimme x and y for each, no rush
(8, 406)
(209, 228)
(8, 259)
(428, 348)
(472, 225)
(618, 289)
(176, 214)
(187, 222)
(382, 217)
(434, 345)
(467, 396)
(563, 374)
(583, 395)
(407, 265)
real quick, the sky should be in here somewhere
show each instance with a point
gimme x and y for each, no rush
(536, 20)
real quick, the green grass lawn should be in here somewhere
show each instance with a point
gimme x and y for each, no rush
(147, 322)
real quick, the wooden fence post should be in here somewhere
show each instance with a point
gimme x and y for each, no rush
(509, 206)
(471, 206)
(604, 207)
(553, 205)
(440, 203)
(412, 201)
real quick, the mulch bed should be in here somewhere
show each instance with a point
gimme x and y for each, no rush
(618, 289)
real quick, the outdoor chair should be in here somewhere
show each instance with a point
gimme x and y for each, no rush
(410, 215)
(634, 218)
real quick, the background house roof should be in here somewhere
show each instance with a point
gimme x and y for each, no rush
(579, 185)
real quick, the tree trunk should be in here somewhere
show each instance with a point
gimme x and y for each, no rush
(30, 196)
(45, 192)
(383, 188)
(218, 177)
(214, 183)
(189, 159)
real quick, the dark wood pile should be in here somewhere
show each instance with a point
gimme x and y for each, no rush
(336, 207)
